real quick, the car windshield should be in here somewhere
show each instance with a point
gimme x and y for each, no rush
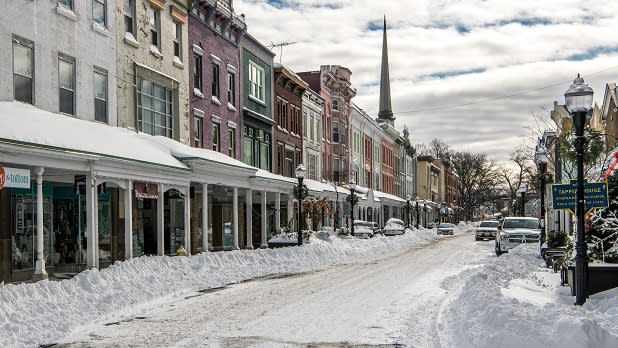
(521, 223)
(489, 224)
(363, 223)
(445, 225)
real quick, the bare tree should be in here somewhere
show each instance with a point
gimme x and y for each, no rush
(477, 182)
(440, 149)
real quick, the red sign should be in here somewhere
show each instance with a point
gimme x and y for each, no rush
(2, 177)
(144, 190)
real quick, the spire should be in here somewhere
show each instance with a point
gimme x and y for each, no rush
(386, 112)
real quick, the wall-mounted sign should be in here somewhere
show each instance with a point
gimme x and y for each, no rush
(14, 177)
(595, 196)
(145, 190)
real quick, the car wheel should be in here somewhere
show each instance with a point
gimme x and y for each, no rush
(476, 239)
(498, 251)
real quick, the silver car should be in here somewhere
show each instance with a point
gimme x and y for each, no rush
(446, 228)
(487, 230)
(515, 230)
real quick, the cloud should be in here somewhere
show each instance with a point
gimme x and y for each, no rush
(463, 71)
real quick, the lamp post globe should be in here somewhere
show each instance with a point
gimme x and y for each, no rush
(578, 101)
(352, 187)
(300, 175)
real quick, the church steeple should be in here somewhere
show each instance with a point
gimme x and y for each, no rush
(386, 112)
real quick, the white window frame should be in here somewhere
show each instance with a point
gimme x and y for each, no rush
(256, 82)
(17, 41)
(72, 89)
(101, 98)
(103, 4)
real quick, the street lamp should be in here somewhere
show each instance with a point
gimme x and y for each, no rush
(578, 101)
(541, 158)
(521, 192)
(300, 175)
(352, 186)
(425, 213)
(408, 209)
(417, 213)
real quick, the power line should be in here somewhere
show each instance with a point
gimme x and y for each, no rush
(453, 106)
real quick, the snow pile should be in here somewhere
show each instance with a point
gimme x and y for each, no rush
(43, 312)
(515, 302)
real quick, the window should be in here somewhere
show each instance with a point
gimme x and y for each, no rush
(336, 132)
(256, 82)
(197, 71)
(66, 84)
(66, 3)
(312, 170)
(100, 95)
(215, 136)
(154, 108)
(177, 39)
(336, 170)
(23, 70)
(256, 148)
(128, 16)
(197, 131)
(335, 105)
(99, 14)
(215, 80)
(282, 112)
(289, 163)
(231, 142)
(154, 24)
(231, 92)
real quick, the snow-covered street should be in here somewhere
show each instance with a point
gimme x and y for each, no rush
(415, 290)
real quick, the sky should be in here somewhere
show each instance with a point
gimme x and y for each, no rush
(475, 74)
(483, 302)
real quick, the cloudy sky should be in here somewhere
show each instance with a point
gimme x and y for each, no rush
(469, 72)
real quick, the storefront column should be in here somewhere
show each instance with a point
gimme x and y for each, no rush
(160, 221)
(39, 271)
(235, 210)
(92, 238)
(278, 212)
(264, 220)
(249, 217)
(205, 228)
(188, 220)
(128, 220)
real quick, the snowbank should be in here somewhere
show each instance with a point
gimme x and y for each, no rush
(516, 302)
(43, 312)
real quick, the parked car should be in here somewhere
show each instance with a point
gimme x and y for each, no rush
(515, 230)
(487, 230)
(430, 225)
(363, 229)
(446, 228)
(394, 227)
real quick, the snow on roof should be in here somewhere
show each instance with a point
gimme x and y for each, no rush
(25, 124)
(184, 152)
(264, 174)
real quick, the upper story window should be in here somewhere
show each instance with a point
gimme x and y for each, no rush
(231, 142)
(23, 70)
(335, 105)
(215, 136)
(129, 16)
(154, 23)
(256, 82)
(99, 12)
(177, 40)
(215, 80)
(336, 132)
(197, 71)
(66, 3)
(155, 114)
(197, 132)
(100, 95)
(66, 84)
(282, 113)
(231, 89)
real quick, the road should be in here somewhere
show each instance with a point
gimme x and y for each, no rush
(393, 300)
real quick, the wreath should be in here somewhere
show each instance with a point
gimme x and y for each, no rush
(301, 193)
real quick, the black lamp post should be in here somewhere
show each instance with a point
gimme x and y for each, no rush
(352, 186)
(300, 175)
(425, 213)
(578, 101)
(408, 209)
(417, 213)
(541, 158)
(521, 192)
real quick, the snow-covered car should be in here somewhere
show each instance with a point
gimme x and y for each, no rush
(363, 229)
(515, 230)
(394, 227)
(486, 230)
(446, 228)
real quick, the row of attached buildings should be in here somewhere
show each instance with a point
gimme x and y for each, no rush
(132, 127)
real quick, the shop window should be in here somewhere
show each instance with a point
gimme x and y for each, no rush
(23, 70)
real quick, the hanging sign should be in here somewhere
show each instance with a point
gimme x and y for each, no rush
(144, 190)
(595, 196)
(14, 177)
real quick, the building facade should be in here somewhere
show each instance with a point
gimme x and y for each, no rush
(313, 105)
